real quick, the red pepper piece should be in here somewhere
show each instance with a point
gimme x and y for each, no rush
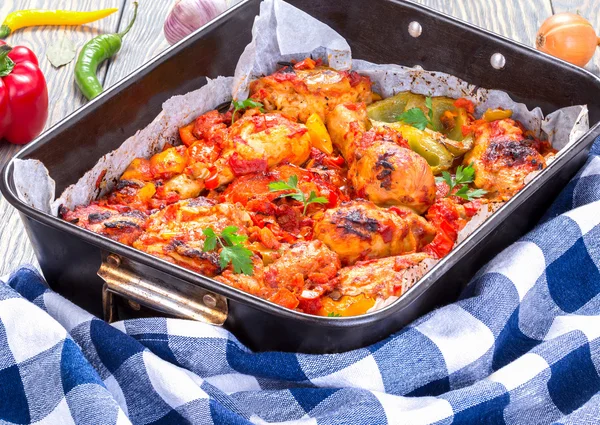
(23, 95)
(332, 199)
(337, 161)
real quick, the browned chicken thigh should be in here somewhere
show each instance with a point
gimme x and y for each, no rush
(502, 158)
(359, 230)
(308, 88)
(385, 171)
(176, 232)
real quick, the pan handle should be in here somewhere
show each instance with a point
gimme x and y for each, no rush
(176, 298)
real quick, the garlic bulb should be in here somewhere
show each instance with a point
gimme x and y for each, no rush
(189, 15)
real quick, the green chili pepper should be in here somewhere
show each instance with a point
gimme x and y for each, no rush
(93, 53)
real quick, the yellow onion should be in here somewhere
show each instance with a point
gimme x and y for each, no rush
(569, 37)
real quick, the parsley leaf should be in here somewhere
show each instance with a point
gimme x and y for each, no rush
(313, 198)
(210, 243)
(446, 178)
(464, 176)
(240, 258)
(417, 118)
(238, 105)
(462, 192)
(332, 314)
(477, 193)
(232, 250)
(414, 117)
(429, 105)
(231, 238)
(298, 195)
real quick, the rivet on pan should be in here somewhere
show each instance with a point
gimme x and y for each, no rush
(113, 260)
(498, 60)
(209, 301)
(415, 29)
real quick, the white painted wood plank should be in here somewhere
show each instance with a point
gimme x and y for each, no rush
(64, 98)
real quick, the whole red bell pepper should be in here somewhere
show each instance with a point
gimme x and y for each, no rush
(23, 95)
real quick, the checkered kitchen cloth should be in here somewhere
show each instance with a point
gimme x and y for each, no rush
(522, 346)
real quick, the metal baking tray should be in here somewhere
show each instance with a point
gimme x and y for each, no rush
(72, 257)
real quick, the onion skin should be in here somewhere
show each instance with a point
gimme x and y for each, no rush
(189, 15)
(569, 37)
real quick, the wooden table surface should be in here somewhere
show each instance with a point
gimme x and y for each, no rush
(516, 19)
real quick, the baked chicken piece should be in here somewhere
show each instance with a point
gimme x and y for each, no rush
(359, 230)
(299, 277)
(347, 123)
(176, 232)
(380, 278)
(502, 158)
(255, 143)
(382, 167)
(385, 171)
(157, 182)
(120, 223)
(307, 87)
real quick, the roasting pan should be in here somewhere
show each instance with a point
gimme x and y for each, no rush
(114, 280)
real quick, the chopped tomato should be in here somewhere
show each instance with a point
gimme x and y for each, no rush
(307, 63)
(441, 189)
(209, 124)
(440, 246)
(355, 78)
(466, 104)
(472, 207)
(281, 77)
(310, 306)
(241, 166)
(285, 298)
(212, 182)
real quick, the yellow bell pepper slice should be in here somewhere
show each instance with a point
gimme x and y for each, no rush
(146, 192)
(346, 306)
(496, 114)
(319, 136)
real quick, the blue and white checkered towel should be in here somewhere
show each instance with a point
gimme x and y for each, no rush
(521, 346)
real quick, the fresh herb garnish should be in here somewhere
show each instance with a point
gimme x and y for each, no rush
(417, 118)
(332, 314)
(463, 176)
(298, 195)
(232, 250)
(238, 105)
